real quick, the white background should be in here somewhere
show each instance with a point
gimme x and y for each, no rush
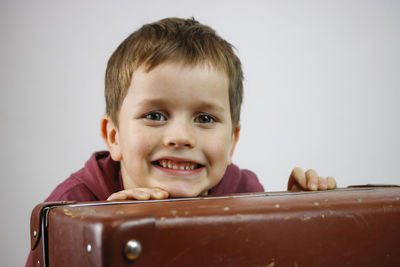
(322, 90)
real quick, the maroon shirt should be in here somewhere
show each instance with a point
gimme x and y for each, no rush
(101, 177)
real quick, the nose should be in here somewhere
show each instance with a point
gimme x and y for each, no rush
(180, 135)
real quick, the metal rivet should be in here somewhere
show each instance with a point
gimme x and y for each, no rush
(132, 250)
(34, 233)
(89, 248)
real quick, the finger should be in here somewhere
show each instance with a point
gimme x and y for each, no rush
(117, 196)
(134, 193)
(297, 180)
(295, 188)
(331, 182)
(156, 193)
(322, 183)
(137, 193)
(312, 180)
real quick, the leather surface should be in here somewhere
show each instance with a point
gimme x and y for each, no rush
(351, 227)
(36, 229)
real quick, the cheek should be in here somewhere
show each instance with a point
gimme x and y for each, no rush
(218, 149)
(137, 146)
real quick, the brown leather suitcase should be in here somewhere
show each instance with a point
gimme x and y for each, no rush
(343, 227)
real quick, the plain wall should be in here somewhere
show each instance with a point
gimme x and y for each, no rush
(321, 91)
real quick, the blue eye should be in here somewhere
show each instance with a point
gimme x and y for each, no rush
(155, 116)
(205, 118)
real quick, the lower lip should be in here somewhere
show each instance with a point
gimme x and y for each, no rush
(178, 171)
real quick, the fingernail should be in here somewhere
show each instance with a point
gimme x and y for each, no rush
(144, 195)
(314, 187)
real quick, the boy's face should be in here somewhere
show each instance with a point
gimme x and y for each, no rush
(175, 129)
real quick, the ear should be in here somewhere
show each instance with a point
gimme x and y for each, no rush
(109, 132)
(235, 139)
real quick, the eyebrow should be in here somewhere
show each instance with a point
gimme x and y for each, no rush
(163, 102)
(211, 106)
(153, 102)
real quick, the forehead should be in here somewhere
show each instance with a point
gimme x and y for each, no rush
(176, 65)
(179, 78)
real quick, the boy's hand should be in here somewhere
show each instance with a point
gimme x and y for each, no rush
(139, 194)
(309, 180)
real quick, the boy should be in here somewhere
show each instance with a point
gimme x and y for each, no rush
(173, 95)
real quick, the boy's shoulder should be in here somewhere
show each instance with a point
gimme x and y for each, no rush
(99, 178)
(237, 180)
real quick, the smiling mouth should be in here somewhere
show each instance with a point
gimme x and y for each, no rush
(169, 164)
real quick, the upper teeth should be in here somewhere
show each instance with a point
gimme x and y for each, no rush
(177, 165)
